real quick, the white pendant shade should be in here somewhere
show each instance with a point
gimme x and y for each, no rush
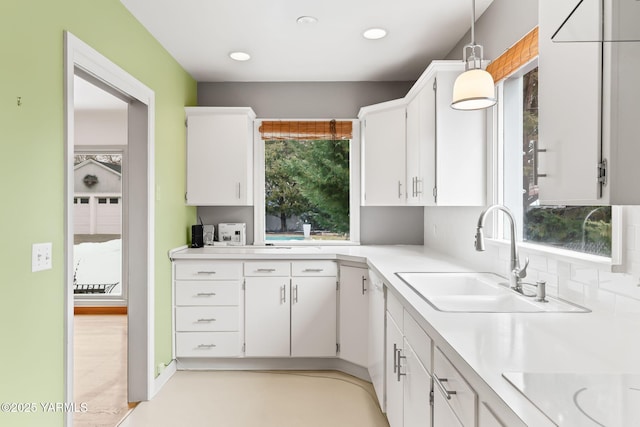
(473, 90)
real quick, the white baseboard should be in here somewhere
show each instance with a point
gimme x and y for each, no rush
(164, 376)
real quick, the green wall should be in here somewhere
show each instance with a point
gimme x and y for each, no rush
(32, 181)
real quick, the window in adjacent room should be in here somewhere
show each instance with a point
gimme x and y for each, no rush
(307, 181)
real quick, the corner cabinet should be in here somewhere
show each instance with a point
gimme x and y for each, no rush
(588, 94)
(446, 148)
(219, 156)
(419, 151)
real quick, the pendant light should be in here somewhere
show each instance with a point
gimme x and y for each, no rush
(474, 89)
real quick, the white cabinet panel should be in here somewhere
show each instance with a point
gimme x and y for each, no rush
(417, 389)
(267, 316)
(384, 167)
(207, 293)
(207, 319)
(313, 317)
(447, 378)
(208, 344)
(569, 87)
(219, 156)
(354, 314)
(208, 270)
(443, 415)
(395, 405)
(376, 337)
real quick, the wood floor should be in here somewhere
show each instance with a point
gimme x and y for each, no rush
(100, 369)
(264, 399)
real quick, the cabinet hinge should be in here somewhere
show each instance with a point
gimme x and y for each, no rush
(337, 347)
(435, 84)
(337, 285)
(431, 398)
(244, 285)
(244, 347)
(186, 123)
(185, 196)
(602, 172)
(435, 194)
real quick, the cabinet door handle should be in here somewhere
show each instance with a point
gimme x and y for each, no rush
(439, 381)
(399, 190)
(283, 294)
(238, 190)
(206, 294)
(363, 288)
(295, 294)
(205, 320)
(400, 357)
(206, 272)
(395, 358)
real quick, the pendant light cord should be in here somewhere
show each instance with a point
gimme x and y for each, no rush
(473, 22)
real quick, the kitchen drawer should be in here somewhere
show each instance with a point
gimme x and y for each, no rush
(419, 341)
(267, 268)
(208, 344)
(447, 378)
(207, 293)
(208, 270)
(193, 319)
(394, 307)
(314, 268)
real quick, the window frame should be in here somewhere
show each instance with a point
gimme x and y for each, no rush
(259, 209)
(500, 236)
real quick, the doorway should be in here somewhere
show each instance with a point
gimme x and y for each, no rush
(137, 214)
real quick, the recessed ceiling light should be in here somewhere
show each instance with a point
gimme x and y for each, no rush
(307, 20)
(240, 56)
(374, 33)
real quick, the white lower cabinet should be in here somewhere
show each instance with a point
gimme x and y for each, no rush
(208, 309)
(267, 318)
(354, 314)
(408, 349)
(376, 338)
(313, 316)
(291, 310)
(457, 395)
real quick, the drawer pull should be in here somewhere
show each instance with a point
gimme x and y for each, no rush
(266, 270)
(442, 388)
(206, 294)
(206, 272)
(206, 345)
(312, 270)
(205, 320)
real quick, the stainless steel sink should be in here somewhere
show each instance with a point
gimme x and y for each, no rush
(479, 293)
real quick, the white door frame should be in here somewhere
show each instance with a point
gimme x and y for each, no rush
(78, 56)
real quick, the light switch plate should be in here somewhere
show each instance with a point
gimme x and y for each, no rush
(41, 256)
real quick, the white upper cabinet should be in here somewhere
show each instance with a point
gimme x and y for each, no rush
(588, 94)
(420, 151)
(219, 156)
(383, 153)
(453, 141)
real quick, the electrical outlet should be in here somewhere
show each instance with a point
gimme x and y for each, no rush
(41, 256)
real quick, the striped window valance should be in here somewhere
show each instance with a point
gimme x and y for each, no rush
(306, 130)
(515, 57)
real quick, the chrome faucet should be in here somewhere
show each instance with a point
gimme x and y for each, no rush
(516, 273)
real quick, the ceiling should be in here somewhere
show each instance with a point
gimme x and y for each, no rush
(87, 96)
(200, 34)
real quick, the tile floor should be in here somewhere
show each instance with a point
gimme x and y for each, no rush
(260, 398)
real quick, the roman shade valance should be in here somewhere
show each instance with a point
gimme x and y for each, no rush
(515, 57)
(305, 130)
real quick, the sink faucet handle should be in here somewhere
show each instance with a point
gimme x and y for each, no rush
(522, 272)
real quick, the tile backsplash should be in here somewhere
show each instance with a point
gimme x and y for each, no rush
(583, 282)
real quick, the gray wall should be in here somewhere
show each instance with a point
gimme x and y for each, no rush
(500, 26)
(301, 100)
(321, 100)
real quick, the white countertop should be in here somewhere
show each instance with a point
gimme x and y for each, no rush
(485, 345)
